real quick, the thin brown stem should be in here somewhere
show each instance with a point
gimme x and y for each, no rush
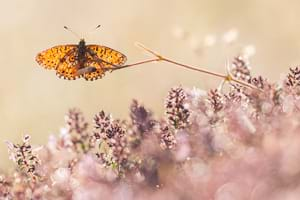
(227, 77)
(245, 83)
(137, 63)
(195, 68)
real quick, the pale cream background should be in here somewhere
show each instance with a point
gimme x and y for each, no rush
(34, 100)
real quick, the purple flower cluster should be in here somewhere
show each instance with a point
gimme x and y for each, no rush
(227, 143)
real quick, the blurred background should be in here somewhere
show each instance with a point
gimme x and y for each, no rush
(203, 33)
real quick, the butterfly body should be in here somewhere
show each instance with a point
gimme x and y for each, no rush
(81, 53)
(75, 61)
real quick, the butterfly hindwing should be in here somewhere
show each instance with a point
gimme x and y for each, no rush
(69, 65)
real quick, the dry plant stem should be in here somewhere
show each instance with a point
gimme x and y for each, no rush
(138, 63)
(195, 69)
(225, 77)
(160, 58)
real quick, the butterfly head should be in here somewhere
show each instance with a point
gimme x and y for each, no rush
(81, 43)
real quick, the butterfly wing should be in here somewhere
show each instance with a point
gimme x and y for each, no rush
(108, 55)
(67, 70)
(96, 70)
(50, 58)
(102, 58)
(61, 58)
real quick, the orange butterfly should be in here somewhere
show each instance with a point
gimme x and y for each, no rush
(75, 61)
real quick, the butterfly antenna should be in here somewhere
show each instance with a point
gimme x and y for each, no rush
(74, 33)
(94, 29)
(98, 26)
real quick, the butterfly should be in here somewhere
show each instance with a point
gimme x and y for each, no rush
(74, 61)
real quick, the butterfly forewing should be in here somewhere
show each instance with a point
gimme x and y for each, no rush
(109, 55)
(104, 59)
(51, 58)
(62, 58)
